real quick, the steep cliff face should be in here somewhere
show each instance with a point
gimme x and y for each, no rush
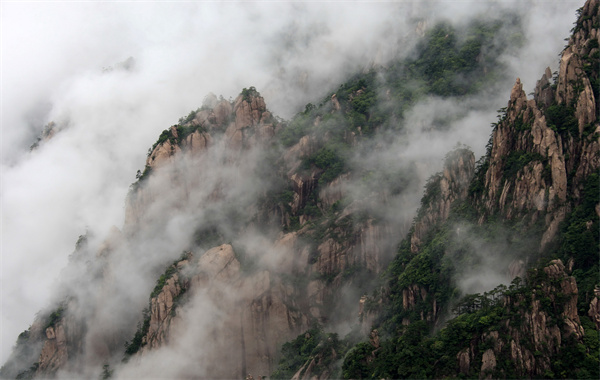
(544, 148)
(250, 315)
(538, 323)
(577, 84)
(420, 298)
(52, 343)
(528, 191)
(441, 192)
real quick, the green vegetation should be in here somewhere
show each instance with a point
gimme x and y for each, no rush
(579, 240)
(520, 125)
(248, 93)
(447, 62)
(189, 117)
(55, 316)
(162, 280)
(451, 62)
(562, 119)
(138, 339)
(184, 131)
(106, 372)
(482, 321)
(330, 160)
(517, 160)
(477, 185)
(296, 353)
(131, 348)
(164, 136)
(147, 171)
(326, 349)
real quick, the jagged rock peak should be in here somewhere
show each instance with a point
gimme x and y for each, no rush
(253, 123)
(517, 91)
(574, 87)
(543, 93)
(542, 149)
(246, 122)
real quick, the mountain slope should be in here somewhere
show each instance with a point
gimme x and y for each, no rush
(523, 218)
(253, 230)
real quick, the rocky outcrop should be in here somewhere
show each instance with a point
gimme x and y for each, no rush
(215, 114)
(265, 310)
(162, 313)
(50, 345)
(334, 192)
(48, 132)
(527, 167)
(306, 146)
(303, 186)
(488, 364)
(164, 152)
(573, 86)
(536, 326)
(464, 361)
(568, 287)
(252, 123)
(54, 353)
(532, 336)
(594, 310)
(351, 246)
(253, 316)
(197, 142)
(181, 151)
(441, 192)
(71, 334)
(543, 148)
(543, 93)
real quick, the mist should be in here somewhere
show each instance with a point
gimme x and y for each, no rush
(61, 63)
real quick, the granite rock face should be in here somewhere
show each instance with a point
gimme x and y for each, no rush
(526, 141)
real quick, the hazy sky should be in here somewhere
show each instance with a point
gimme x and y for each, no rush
(53, 55)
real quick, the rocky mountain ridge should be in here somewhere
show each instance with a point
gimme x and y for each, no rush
(539, 174)
(294, 251)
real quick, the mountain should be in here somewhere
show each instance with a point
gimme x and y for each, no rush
(531, 208)
(254, 246)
